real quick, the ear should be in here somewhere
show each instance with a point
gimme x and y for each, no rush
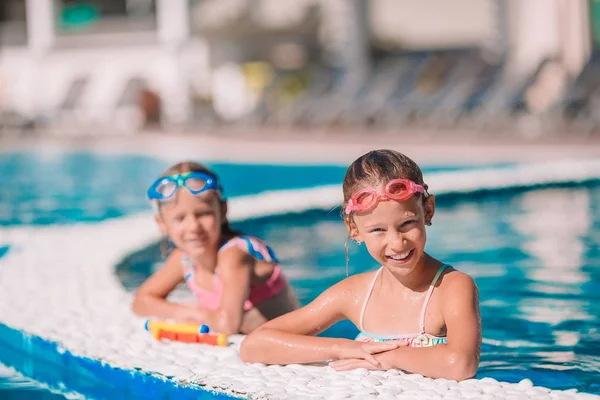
(161, 224)
(429, 209)
(352, 229)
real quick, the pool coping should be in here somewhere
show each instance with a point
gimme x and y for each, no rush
(47, 332)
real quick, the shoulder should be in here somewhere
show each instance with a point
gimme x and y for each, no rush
(250, 245)
(456, 281)
(174, 258)
(355, 284)
(232, 255)
(346, 296)
(459, 291)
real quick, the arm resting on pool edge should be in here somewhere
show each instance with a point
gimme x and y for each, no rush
(150, 298)
(459, 358)
(290, 339)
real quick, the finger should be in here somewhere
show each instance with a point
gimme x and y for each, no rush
(370, 358)
(347, 365)
(345, 361)
(380, 347)
(344, 367)
(337, 363)
(340, 365)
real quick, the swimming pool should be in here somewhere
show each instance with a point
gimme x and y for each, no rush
(532, 253)
(534, 256)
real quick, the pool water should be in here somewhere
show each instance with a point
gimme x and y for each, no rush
(56, 188)
(14, 386)
(534, 254)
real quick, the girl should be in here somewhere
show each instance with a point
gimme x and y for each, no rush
(236, 279)
(414, 313)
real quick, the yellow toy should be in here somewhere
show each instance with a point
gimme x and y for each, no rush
(188, 333)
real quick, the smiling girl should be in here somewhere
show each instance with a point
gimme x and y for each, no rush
(414, 313)
(235, 278)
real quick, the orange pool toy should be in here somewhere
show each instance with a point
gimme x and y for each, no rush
(188, 333)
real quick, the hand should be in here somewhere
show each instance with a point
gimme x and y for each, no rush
(353, 363)
(348, 363)
(193, 313)
(362, 351)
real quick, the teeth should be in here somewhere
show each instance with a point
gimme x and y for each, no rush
(400, 256)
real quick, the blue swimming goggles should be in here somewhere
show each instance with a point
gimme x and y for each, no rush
(195, 182)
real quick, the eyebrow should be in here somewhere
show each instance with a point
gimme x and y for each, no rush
(378, 224)
(372, 226)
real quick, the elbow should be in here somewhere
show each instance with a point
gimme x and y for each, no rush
(461, 367)
(137, 306)
(250, 349)
(227, 324)
(255, 348)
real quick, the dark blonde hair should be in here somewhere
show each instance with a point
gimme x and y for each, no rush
(373, 168)
(191, 166)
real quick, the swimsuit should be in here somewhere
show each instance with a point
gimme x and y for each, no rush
(421, 339)
(211, 299)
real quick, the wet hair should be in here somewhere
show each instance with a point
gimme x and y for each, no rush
(191, 166)
(373, 169)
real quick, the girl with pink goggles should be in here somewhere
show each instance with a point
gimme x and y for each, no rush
(396, 189)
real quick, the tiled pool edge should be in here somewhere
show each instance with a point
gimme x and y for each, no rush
(27, 353)
(325, 197)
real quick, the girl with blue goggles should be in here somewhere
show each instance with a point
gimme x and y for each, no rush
(236, 279)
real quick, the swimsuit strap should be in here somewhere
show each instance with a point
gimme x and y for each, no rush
(253, 246)
(364, 306)
(187, 266)
(429, 292)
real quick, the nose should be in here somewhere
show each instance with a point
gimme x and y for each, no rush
(193, 223)
(396, 240)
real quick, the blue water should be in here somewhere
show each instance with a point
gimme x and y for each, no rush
(14, 386)
(42, 189)
(533, 254)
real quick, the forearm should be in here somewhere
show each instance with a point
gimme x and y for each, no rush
(440, 361)
(270, 346)
(149, 306)
(223, 321)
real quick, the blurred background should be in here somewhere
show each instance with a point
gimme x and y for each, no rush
(124, 66)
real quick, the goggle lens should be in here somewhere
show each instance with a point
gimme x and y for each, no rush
(365, 199)
(195, 184)
(166, 188)
(399, 190)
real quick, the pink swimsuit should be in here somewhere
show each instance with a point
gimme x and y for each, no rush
(211, 299)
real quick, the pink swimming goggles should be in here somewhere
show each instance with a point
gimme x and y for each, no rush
(396, 189)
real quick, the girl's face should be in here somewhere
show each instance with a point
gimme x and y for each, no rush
(193, 222)
(394, 232)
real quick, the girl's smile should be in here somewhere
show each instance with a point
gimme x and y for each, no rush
(401, 258)
(193, 222)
